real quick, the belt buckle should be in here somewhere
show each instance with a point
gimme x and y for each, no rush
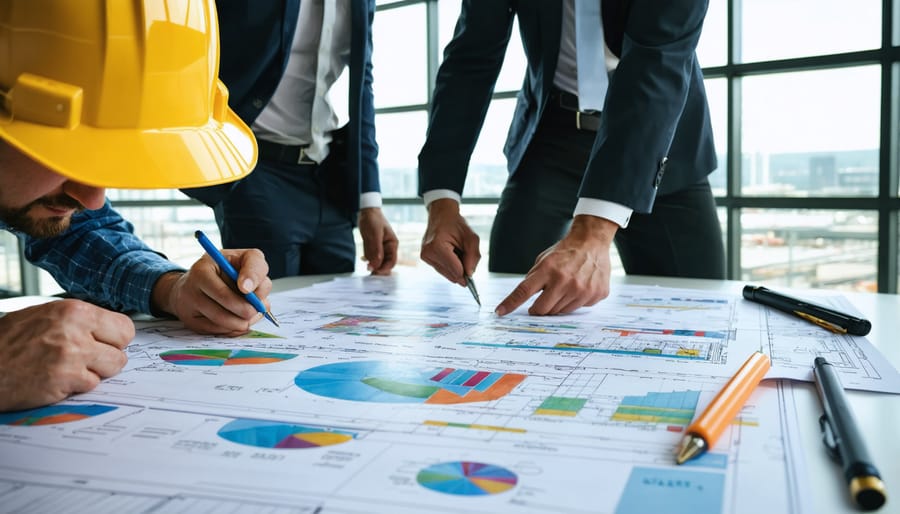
(303, 157)
(586, 120)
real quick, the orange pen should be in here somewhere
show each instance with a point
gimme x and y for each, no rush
(706, 429)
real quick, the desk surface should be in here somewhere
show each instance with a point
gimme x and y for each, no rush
(878, 414)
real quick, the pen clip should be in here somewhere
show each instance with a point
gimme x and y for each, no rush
(837, 329)
(831, 443)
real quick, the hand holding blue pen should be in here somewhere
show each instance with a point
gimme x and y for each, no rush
(229, 270)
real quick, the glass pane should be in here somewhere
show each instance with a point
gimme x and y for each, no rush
(10, 276)
(780, 29)
(170, 230)
(810, 248)
(487, 168)
(116, 195)
(400, 137)
(717, 94)
(448, 12)
(513, 70)
(399, 67)
(712, 50)
(409, 221)
(804, 135)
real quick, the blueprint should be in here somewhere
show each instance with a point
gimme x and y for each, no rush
(383, 395)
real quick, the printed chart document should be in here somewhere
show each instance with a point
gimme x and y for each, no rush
(383, 395)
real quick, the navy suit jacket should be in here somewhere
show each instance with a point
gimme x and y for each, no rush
(256, 42)
(655, 119)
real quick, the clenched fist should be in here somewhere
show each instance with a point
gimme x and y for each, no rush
(50, 351)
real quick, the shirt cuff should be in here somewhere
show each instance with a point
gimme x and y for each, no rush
(369, 200)
(139, 287)
(437, 194)
(615, 212)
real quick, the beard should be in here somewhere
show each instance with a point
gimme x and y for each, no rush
(20, 219)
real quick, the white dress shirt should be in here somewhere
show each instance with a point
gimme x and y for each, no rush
(301, 111)
(566, 79)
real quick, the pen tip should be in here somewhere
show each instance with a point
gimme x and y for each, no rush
(690, 447)
(271, 318)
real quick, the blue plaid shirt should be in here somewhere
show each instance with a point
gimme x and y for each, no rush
(99, 259)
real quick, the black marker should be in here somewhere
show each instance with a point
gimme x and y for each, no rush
(844, 441)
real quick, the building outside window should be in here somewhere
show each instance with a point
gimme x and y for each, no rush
(804, 100)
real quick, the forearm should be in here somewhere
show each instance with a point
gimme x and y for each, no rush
(101, 260)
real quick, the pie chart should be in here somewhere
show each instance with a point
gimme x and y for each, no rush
(464, 478)
(273, 434)
(222, 357)
(54, 414)
(398, 382)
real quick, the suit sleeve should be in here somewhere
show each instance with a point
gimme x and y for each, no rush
(369, 181)
(645, 101)
(465, 83)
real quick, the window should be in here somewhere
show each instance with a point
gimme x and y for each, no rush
(804, 102)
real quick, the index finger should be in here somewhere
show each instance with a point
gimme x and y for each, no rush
(525, 290)
(252, 268)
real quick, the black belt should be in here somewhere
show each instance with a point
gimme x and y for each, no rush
(584, 120)
(286, 154)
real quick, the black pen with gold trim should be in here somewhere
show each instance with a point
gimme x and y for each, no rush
(829, 319)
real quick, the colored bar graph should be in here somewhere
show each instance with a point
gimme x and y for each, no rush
(472, 426)
(560, 406)
(676, 408)
(440, 376)
(476, 378)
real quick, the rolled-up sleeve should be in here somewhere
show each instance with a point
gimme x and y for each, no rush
(99, 259)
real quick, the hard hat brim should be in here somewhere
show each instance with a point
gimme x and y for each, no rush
(140, 159)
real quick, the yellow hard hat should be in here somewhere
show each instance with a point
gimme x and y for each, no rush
(120, 93)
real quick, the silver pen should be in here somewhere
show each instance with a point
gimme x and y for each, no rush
(470, 284)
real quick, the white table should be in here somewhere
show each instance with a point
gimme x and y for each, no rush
(878, 415)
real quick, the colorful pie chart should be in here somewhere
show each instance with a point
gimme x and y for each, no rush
(467, 478)
(222, 357)
(395, 382)
(272, 434)
(53, 415)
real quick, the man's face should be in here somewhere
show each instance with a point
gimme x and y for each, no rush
(37, 200)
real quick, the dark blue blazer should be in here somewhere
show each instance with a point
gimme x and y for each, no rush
(655, 119)
(256, 42)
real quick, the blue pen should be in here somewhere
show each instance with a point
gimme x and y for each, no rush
(231, 272)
